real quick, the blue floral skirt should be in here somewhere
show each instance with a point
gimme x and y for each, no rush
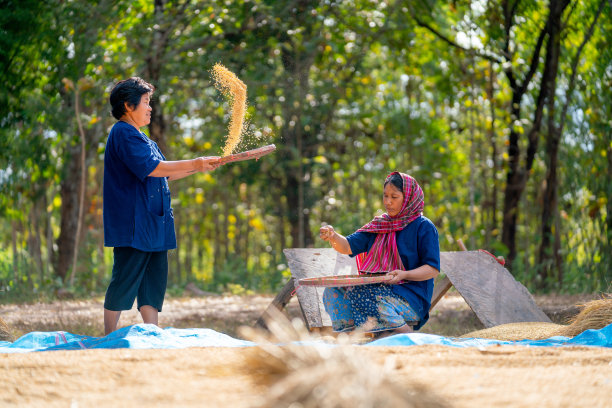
(376, 304)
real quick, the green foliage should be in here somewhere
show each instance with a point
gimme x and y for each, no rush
(348, 91)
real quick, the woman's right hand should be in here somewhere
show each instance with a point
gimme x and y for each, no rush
(326, 232)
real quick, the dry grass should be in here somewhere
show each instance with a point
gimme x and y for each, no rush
(5, 332)
(595, 315)
(324, 376)
(235, 90)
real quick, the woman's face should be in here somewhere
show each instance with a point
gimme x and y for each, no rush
(141, 116)
(393, 199)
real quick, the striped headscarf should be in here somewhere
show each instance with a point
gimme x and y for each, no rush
(384, 256)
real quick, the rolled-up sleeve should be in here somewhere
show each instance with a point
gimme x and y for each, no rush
(360, 242)
(429, 245)
(138, 155)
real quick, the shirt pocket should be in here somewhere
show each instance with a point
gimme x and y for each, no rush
(150, 230)
(155, 197)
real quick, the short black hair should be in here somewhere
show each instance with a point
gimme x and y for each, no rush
(128, 90)
(396, 180)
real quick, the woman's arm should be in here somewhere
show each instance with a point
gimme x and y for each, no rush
(421, 273)
(175, 170)
(337, 241)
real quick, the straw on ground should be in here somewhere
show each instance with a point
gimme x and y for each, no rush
(294, 373)
(5, 332)
(594, 315)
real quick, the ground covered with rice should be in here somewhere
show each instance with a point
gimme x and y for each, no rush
(221, 377)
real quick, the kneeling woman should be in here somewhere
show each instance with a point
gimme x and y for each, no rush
(401, 243)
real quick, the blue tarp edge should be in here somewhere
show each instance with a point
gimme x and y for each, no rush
(147, 336)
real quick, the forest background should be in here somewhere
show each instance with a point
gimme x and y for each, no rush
(502, 110)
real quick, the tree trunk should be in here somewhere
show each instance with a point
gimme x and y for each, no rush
(224, 237)
(157, 127)
(216, 241)
(298, 214)
(609, 201)
(247, 230)
(512, 195)
(472, 177)
(553, 136)
(15, 253)
(558, 258)
(48, 235)
(281, 231)
(549, 209)
(34, 241)
(518, 174)
(189, 243)
(82, 184)
(69, 192)
(154, 62)
(492, 200)
(548, 261)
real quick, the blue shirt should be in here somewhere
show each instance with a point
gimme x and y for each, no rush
(417, 245)
(136, 207)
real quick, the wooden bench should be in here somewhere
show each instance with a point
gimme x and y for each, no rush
(487, 287)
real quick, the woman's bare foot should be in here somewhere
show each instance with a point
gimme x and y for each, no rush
(386, 333)
(404, 329)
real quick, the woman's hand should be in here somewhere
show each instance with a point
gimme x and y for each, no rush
(178, 169)
(206, 163)
(337, 241)
(421, 273)
(326, 232)
(397, 276)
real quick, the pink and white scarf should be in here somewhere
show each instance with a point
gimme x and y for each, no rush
(383, 256)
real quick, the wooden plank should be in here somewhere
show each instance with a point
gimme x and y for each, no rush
(441, 286)
(307, 263)
(311, 262)
(279, 302)
(489, 289)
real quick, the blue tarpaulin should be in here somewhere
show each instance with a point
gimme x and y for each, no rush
(139, 336)
(147, 336)
(596, 338)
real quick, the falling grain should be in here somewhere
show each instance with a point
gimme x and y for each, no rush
(235, 90)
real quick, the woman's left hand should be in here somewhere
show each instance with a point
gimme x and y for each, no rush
(207, 163)
(397, 276)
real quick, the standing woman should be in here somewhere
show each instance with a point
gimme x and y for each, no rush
(401, 243)
(138, 219)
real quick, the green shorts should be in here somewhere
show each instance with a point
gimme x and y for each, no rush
(137, 274)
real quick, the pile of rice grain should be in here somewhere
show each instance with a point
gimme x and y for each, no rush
(594, 315)
(235, 90)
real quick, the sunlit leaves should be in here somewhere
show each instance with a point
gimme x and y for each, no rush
(348, 91)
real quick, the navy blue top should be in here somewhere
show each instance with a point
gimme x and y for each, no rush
(417, 245)
(136, 207)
